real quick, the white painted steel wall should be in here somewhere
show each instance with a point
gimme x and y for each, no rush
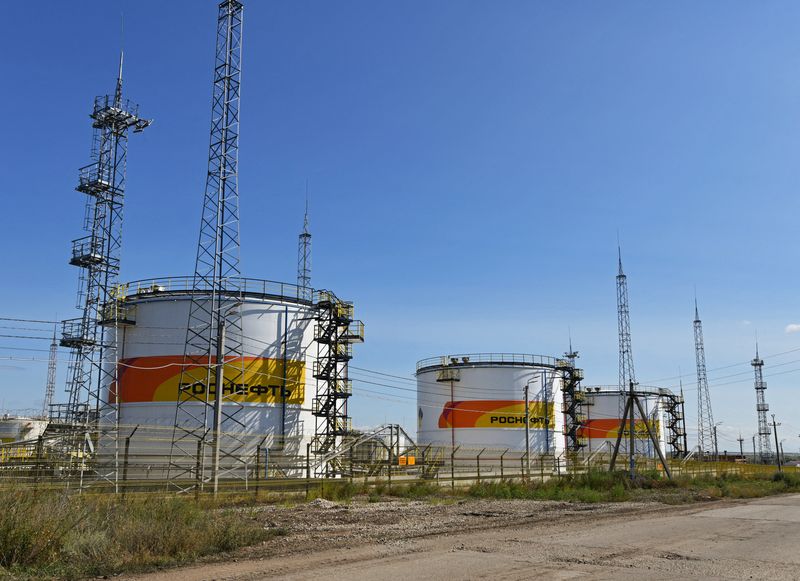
(271, 329)
(603, 421)
(488, 408)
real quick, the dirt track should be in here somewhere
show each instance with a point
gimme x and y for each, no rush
(755, 539)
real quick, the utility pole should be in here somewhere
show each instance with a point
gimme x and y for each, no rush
(777, 447)
(754, 449)
(527, 429)
(716, 449)
(741, 445)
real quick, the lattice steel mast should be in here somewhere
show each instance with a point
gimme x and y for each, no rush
(90, 383)
(50, 386)
(764, 431)
(214, 332)
(626, 371)
(304, 256)
(705, 417)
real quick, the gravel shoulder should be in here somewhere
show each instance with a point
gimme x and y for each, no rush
(518, 539)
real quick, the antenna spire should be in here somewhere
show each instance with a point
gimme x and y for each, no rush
(304, 255)
(118, 91)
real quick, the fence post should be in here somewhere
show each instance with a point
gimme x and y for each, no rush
(502, 473)
(258, 469)
(541, 467)
(37, 470)
(478, 462)
(125, 466)
(198, 476)
(453, 468)
(308, 468)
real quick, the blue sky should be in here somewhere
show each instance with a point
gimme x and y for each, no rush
(470, 164)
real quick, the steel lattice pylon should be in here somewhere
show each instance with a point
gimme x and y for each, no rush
(626, 371)
(304, 257)
(50, 386)
(91, 375)
(705, 417)
(213, 359)
(764, 431)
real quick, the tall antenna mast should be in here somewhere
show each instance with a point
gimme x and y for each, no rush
(705, 417)
(626, 372)
(214, 332)
(91, 382)
(762, 407)
(50, 386)
(627, 376)
(304, 255)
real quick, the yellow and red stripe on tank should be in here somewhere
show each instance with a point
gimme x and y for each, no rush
(608, 428)
(496, 413)
(246, 380)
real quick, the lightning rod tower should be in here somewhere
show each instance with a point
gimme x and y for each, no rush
(90, 383)
(304, 255)
(50, 386)
(762, 407)
(705, 416)
(213, 362)
(627, 376)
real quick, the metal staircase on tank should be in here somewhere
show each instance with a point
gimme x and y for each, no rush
(574, 402)
(676, 433)
(335, 332)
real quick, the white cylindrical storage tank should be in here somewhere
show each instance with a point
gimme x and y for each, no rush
(20, 428)
(477, 401)
(275, 376)
(603, 411)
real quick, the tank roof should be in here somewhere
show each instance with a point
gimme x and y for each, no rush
(488, 360)
(248, 287)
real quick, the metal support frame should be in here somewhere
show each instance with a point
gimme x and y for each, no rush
(208, 398)
(92, 370)
(764, 431)
(629, 415)
(705, 416)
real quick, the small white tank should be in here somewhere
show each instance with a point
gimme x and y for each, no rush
(20, 428)
(603, 408)
(477, 401)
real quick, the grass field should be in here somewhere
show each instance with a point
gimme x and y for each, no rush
(56, 534)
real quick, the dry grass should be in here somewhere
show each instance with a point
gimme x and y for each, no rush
(59, 535)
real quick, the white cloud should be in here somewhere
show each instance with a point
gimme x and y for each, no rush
(793, 328)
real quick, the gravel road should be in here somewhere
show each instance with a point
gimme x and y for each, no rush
(510, 539)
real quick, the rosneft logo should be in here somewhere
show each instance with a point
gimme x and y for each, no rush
(495, 413)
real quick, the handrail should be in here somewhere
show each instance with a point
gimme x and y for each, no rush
(235, 285)
(462, 359)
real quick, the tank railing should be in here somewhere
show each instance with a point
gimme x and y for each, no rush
(103, 103)
(483, 358)
(93, 175)
(237, 285)
(640, 389)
